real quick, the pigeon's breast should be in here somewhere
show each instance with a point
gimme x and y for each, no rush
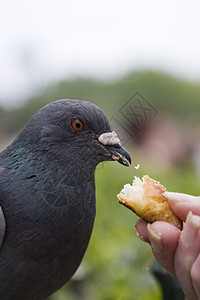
(49, 224)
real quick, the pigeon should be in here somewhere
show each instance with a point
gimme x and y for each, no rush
(47, 196)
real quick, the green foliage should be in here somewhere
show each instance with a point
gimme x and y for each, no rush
(163, 91)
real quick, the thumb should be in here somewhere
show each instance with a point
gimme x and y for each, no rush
(182, 204)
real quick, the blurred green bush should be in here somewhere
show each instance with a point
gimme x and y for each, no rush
(164, 92)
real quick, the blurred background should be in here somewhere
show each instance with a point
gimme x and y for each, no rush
(139, 61)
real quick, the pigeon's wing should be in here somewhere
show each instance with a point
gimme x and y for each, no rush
(2, 226)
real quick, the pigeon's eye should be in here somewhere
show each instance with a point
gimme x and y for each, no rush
(77, 124)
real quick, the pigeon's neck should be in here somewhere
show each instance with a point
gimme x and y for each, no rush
(60, 181)
(56, 199)
(24, 155)
(70, 186)
(17, 154)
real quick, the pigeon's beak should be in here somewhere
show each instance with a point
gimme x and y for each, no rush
(112, 144)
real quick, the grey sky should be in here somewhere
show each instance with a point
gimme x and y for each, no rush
(42, 41)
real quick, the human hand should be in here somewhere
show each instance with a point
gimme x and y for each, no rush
(177, 251)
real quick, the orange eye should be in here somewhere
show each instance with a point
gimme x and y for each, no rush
(77, 124)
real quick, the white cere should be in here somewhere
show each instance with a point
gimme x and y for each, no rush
(109, 138)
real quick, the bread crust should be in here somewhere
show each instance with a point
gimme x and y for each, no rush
(151, 205)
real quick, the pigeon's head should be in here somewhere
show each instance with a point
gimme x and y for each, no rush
(75, 128)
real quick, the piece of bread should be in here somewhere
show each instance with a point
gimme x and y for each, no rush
(145, 199)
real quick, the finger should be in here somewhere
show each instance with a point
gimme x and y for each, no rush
(164, 239)
(195, 271)
(186, 254)
(141, 230)
(182, 204)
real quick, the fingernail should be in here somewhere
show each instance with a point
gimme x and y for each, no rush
(155, 239)
(180, 197)
(172, 196)
(139, 235)
(190, 230)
